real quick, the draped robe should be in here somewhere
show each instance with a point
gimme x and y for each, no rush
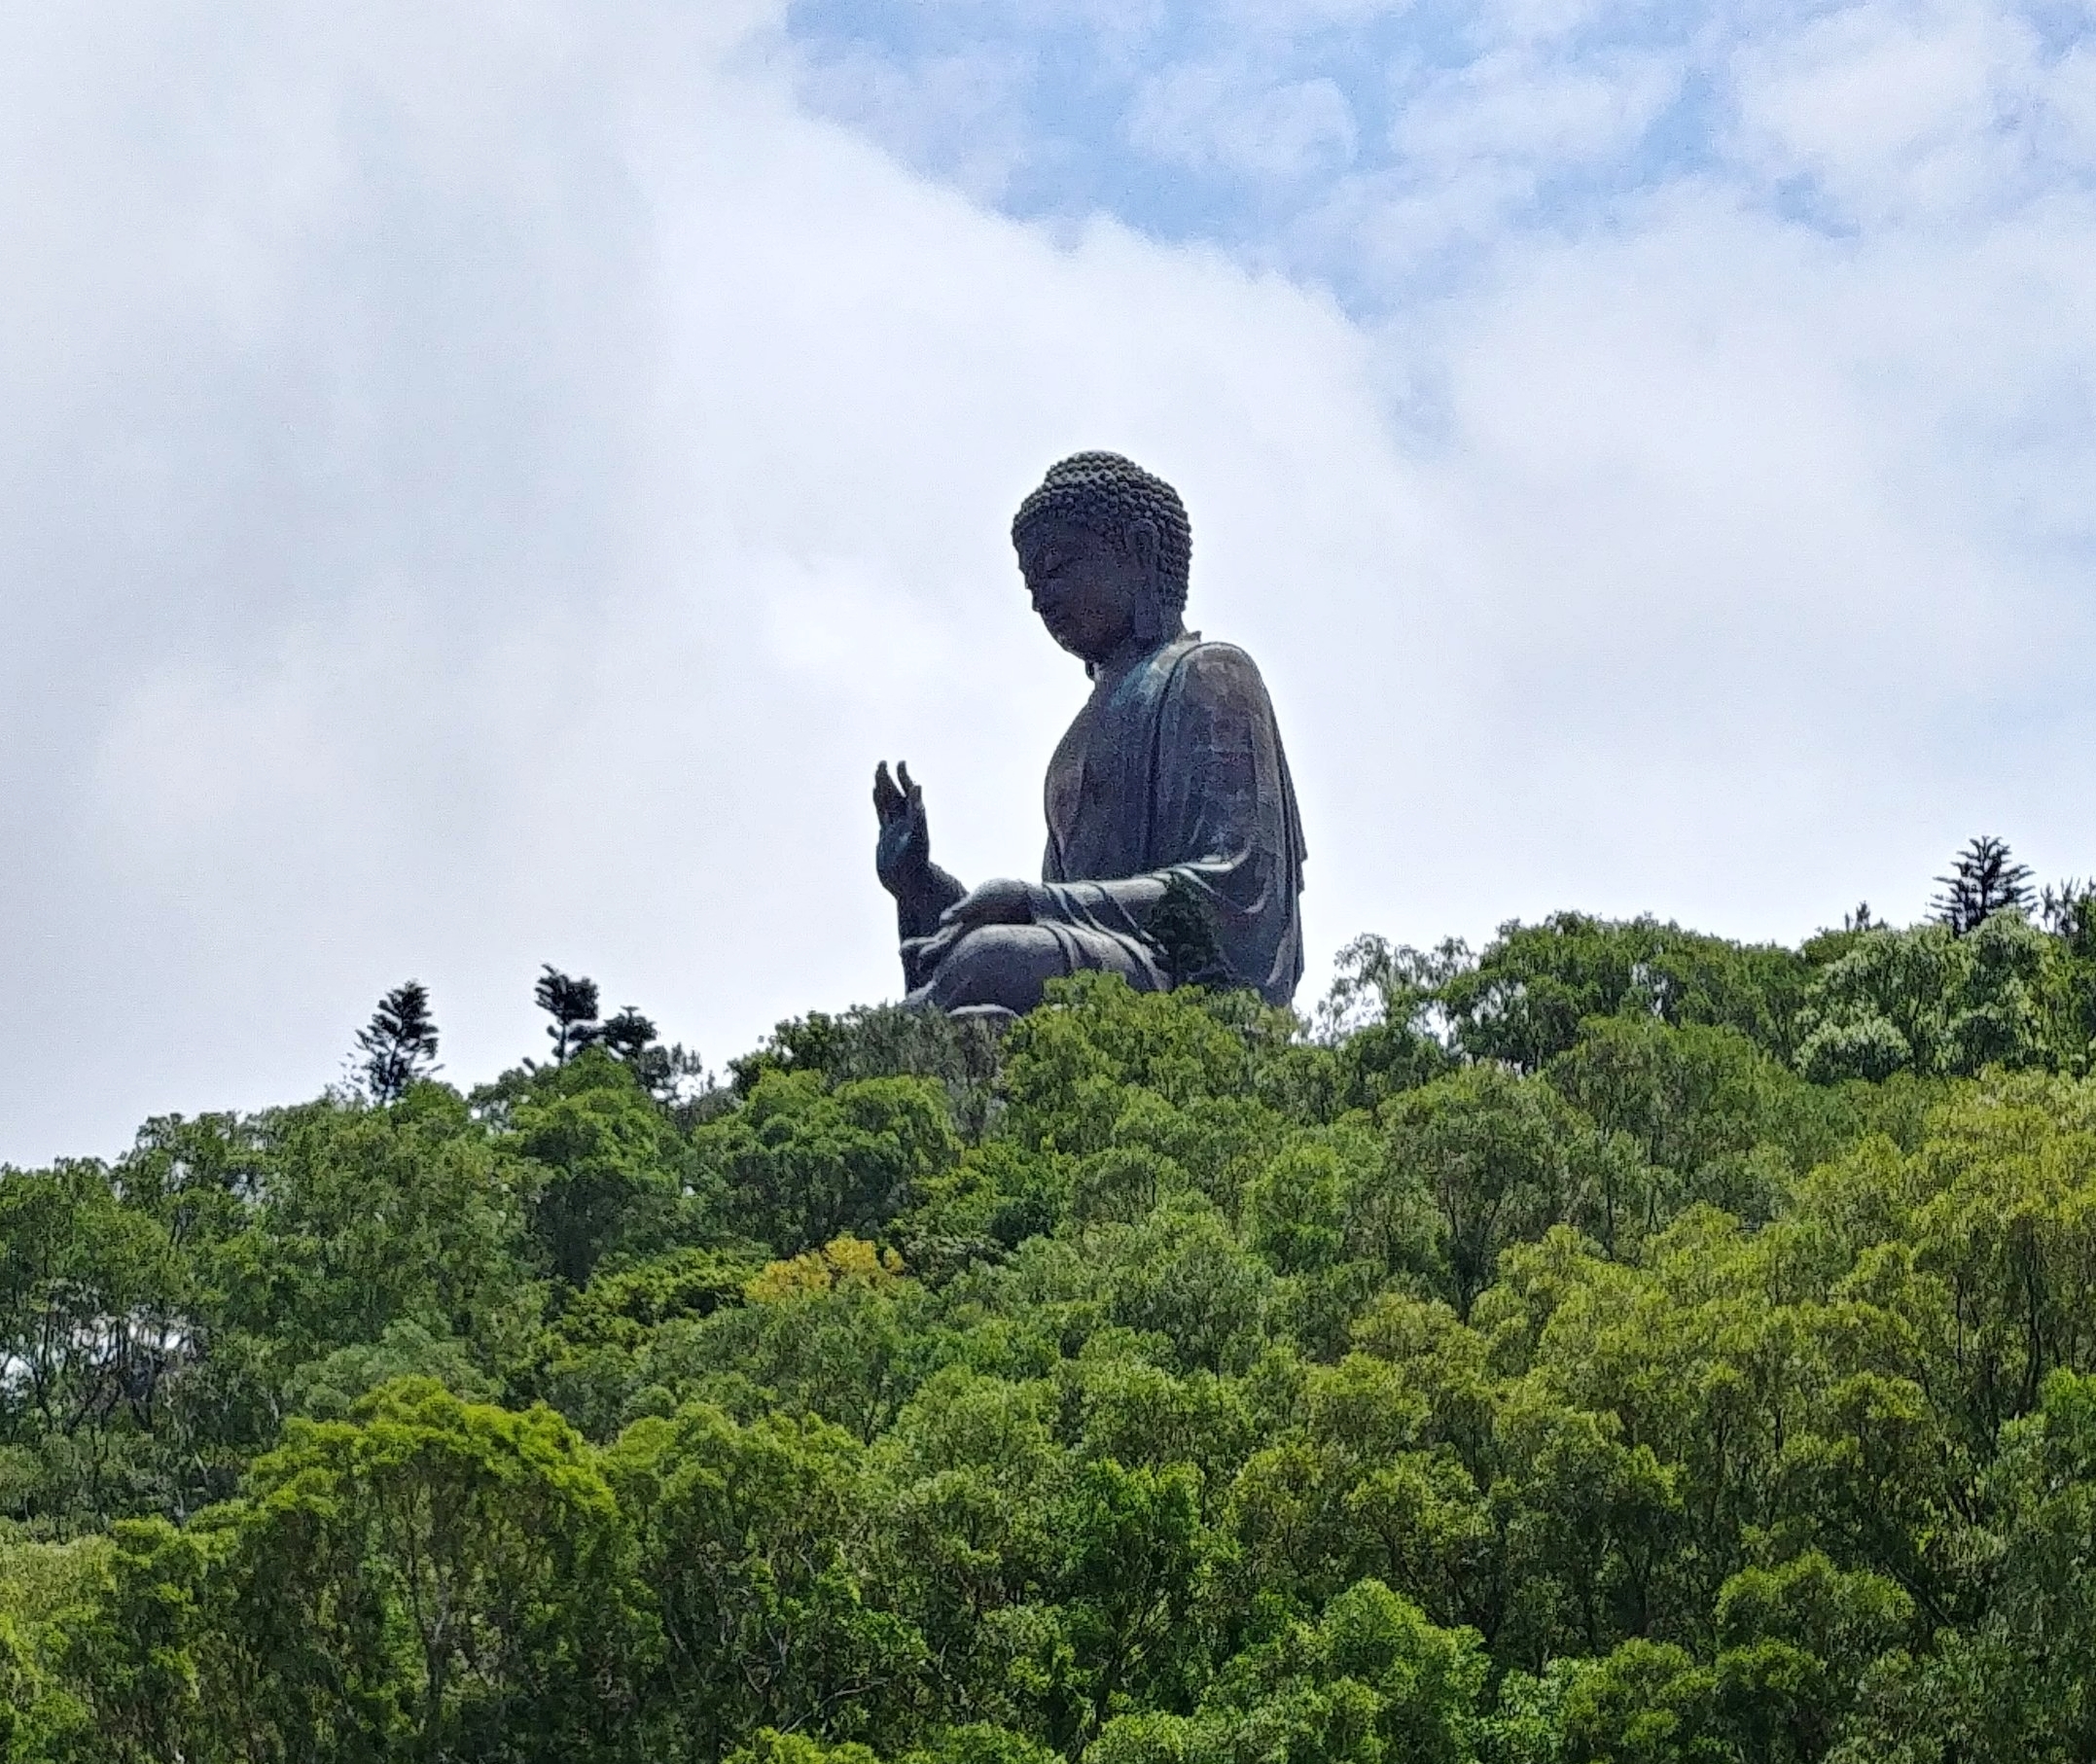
(1174, 767)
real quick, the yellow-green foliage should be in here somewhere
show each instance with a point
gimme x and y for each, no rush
(841, 1261)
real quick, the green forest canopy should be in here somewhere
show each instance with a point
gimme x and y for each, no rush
(1626, 1344)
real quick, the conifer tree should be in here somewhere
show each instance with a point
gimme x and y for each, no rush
(631, 1038)
(628, 1034)
(399, 1046)
(2068, 913)
(572, 1003)
(1982, 881)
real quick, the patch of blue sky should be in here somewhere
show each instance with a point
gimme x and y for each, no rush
(1682, 140)
(1274, 133)
(1388, 152)
(1804, 200)
(2059, 26)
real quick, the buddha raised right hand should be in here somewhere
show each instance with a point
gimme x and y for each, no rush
(903, 853)
(902, 861)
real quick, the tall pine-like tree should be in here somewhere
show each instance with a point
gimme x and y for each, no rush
(2069, 912)
(628, 1034)
(661, 1070)
(397, 1047)
(572, 1003)
(1983, 880)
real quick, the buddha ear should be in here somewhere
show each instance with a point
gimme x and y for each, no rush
(1140, 536)
(1140, 539)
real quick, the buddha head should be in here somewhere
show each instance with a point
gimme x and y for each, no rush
(1104, 547)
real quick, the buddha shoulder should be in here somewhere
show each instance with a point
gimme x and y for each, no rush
(1217, 670)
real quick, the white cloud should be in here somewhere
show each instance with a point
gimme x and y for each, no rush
(1899, 111)
(958, 111)
(485, 485)
(1514, 105)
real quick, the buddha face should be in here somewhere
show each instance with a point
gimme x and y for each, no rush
(1088, 590)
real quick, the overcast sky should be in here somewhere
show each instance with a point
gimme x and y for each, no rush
(481, 484)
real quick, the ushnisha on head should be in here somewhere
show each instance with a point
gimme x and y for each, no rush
(1104, 546)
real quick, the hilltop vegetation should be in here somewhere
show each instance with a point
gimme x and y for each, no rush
(1623, 1345)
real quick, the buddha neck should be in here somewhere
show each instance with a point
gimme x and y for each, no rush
(1138, 648)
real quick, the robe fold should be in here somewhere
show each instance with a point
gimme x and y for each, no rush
(1175, 767)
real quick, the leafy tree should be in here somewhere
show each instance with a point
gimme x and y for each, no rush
(399, 1046)
(92, 1336)
(328, 1389)
(1795, 1642)
(1185, 934)
(2026, 1683)
(1928, 1001)
(445, 1579)
(43, 1586)
(970, 1477)
(147, 1656)
(799, 1164)
(1693, 1114)
(1499, 1157)
(744, 1536)
(1069, 1069)
(1133, 1546)
(1643, 1703)
(887, 1041)
(1294, 1215)
(2068, 994)
(1181, 1275)
(608, 1179)
(841, 1333)
(1375, 982)
(770, 1747)
(370, 1217)
(597, 1357)
(1372, 1679)
(1524, 1001)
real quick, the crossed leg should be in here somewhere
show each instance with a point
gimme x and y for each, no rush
(999, 967)
(1005, 966)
